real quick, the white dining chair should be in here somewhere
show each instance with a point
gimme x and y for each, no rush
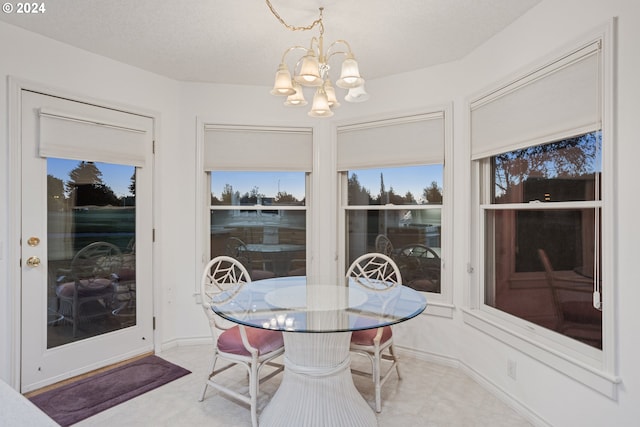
(85, 292)
(257, 269)
(383, 245)
(378, 272)
(253, 348)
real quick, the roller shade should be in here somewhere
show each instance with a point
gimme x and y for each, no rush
(559, 100)
(404, 141)
(102, 140)
(258, 148)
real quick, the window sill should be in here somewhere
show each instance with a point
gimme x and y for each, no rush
(440, 309)
(586, 373)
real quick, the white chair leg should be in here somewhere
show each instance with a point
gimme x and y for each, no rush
(204, 391)
(392, 350)
(253, 391)
(376, 373)
(206, 383)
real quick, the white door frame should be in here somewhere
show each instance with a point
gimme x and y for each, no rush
(15, 87)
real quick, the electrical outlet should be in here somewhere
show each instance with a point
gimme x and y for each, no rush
(511, 369)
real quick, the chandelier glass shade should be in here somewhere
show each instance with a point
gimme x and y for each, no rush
(297, 98)
(312, 70)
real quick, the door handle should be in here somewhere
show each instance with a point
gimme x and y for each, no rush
(33, 261)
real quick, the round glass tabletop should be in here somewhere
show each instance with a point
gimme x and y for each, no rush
(295, 304)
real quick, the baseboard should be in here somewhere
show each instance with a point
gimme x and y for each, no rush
(428, 357)
(181, 342)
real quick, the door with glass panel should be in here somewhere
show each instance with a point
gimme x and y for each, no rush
(86, 237)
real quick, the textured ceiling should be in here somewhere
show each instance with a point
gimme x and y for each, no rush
(240, 41)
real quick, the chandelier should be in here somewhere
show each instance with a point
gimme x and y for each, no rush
(312, 70)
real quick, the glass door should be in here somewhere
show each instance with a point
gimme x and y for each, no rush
(86, 238)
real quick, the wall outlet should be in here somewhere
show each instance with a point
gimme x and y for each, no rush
(511, 368)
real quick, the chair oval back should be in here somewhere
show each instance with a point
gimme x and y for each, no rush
(384, 245)
(236, 248)
(375, 271)
(222, 279)
(96, 260)
(419, 251)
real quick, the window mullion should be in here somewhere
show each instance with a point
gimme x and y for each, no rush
(543, 205)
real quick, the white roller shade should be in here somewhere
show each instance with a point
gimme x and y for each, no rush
(559, 100)
(102, 140)
(404, 141)
(258, 148)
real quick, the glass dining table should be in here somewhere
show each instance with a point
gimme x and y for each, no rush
(317, 318)
(277, 254)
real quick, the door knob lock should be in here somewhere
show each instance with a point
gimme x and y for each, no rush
(33, 261)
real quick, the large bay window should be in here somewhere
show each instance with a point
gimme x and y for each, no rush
(541, 146)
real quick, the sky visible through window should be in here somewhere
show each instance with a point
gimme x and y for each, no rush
(402, 179)
(117, 177)
(405, 179)
(412, 178)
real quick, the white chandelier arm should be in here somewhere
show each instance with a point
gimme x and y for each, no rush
(292, 48)
(339, 52)
(344, 42)
(318, 43)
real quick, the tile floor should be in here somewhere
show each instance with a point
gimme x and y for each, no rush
(428, 395)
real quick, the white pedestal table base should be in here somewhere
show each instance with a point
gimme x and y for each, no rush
(317, 387)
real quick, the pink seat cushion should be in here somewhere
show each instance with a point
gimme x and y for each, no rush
(365, 337)
(265, 341)
(93, 288)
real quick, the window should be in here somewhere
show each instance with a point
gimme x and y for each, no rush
(393, 195)
(398, 211)
(260, 218)
(542, 236)
(255, 205)
(541, 146)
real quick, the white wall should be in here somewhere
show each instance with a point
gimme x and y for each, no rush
(30, 57)
(545, 395)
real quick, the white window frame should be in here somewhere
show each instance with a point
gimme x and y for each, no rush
(203, 189)
(592, 367)
(440, 304)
